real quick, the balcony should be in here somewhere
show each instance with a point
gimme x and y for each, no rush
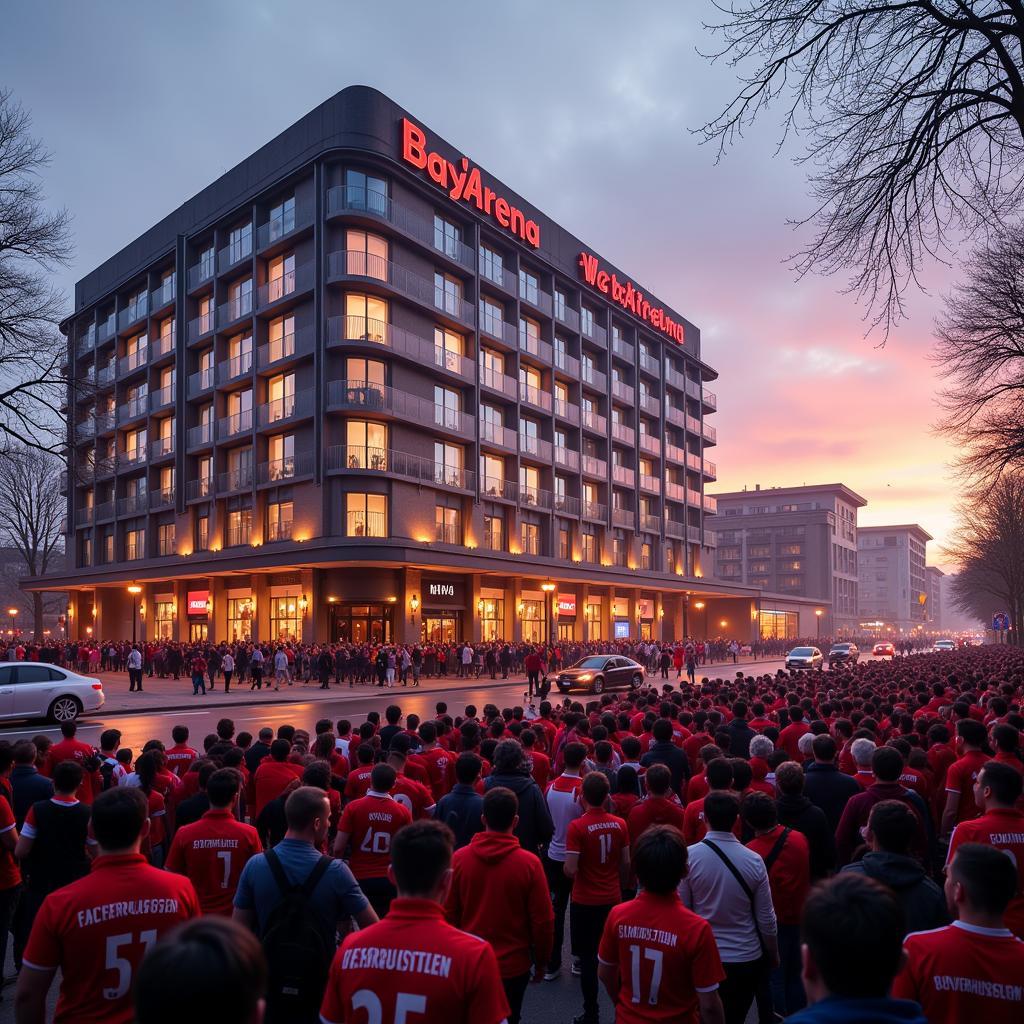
(498, 274)
(86, 344)
(595, 333)
(693, 534)
(234, 425)
(593, 466)
(567, 411)
(536, 347)
(651, 484)
(622, 391)
(568, 364)
(649, 364)
(675, 454)
(675, 492)
(494, 380)
(355, 199)
(85, 430)
(675, 529)
(83, 516)
(534, 396)
(133, 504)
(535, 497)
(710, 470)
(105, 422)
(709, 433)
(650, 404)
(132, 458)
(288, 468)
(161, 398)
(342, 329)
(500, 330)
(133, 313)
(593, 510)
(649, 523)
(623, 475)
(200, 326)
(620, 432)
(693, 388)
(364, 397)
(163, 294)
(237, 366)
(710, 505)
(354, 263)
(104, 512)
(623, 349)
(106, 330)
(341, 458)
(104, 466)
(161, 448)
(649, 444)
(567, 315)
(709, 400)
(105, 375)
(238, 535)
(674, 378)
(289, 346)
(294, 282)
(493, 487)
(692, 424)
(565, 504)
(693, 462)
(162, 345)
(238, 308)
(496, 434)
(232, 255)
(133, 361)
(625, 517)
(536, 297)
(594, 378)
(675, 416)
(693, 497)
(288, 222)
(535, 448)
(200, 381)
(237, 479)
(199, 273)
(287, 407)
(133, 409)
(594, 421)
(163, 497)
(567, 458)
(199, 488)
(710, 539)
(366, 524)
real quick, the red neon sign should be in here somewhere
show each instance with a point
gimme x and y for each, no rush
(462, 183)
(628, 296)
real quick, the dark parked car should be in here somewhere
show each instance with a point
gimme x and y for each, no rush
(843, 654)
(601, 672)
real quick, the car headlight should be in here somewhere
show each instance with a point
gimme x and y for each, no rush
(585, 678)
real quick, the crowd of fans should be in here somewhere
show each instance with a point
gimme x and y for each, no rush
(844, 846)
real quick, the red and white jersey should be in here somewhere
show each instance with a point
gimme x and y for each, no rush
(97, 930)
(599, 839)
(665, 954)
(180, 758)
(440, 765)
(357, 785)
(414, 797)
(211, 852)
(563, 797)
(961, 777)
(370, 823)
(414, 967)
(964, 973)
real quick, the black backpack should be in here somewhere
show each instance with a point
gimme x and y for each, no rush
(298, 946)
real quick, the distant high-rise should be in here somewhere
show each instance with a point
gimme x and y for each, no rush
(934, 576)
(893, 581)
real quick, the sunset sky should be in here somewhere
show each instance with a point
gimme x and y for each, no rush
(587, 110)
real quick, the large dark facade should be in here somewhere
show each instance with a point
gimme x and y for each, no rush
(357, 387)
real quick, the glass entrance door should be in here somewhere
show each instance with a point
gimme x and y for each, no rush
(198, 631)
(441, 627)
(362, 623)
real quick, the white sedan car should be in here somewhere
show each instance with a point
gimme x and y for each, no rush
(32, 689)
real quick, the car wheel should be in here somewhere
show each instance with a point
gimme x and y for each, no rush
(598, 685)
(636, 682)
(65, 709)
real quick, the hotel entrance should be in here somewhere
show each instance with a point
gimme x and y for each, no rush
(441, 627)
(362, 623)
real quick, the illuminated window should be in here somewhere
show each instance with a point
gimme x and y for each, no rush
(564, 544)
(366, 254)
(447, 525)
(492, 474)
(280, 277)
(592, 617)
(239, 526)
(280, 397)
(494, 532)
(134, 544)
(529, 537)
(163, 620)
(366, 515)
(240, 298)
(203, 532)
(447, 408)
(280, 511)
(646, 557)
(280, 338)
(281, 457)
(366, 445)
(588, 547)
(447, 237)
(448, 293)
(366, 318)
(448, 349)
(286, 618)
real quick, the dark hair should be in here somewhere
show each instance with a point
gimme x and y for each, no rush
(894, 826)
(988, 876)
(118, 815)
(721, 810)
(428, 732)
(222, 786)
(225, 728)
(467, 768)
(179, 734)
(824, 747)
(662, 730)
(789, 778)
(971, 732)
(596, 788)
(24, 752)
(420, 854)
(68, 730)
(574, 754)
(67, 776)
(1005, 782)
(212, 962)
(719, 773)
(280, 749)
(509, 758)
(759, 811)
(658, 779)
(382, 778)
(887, 764)
(660, 859)
(303, 806)
(852, 911)
(501, 806)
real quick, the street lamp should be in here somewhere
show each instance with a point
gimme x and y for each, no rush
(12, 612)
(818, 613)
(701, 605)
(134, 590)
(548, 587)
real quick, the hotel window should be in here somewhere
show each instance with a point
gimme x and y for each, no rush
(135, 445)
(529, 335)
(791, 565)
(366, 192)
(759, 567)
(790, 583)
(366, 515)
(165, 379)
(588, 546)
(448, 293)
(529, 484)
(564, 544)
(492, 619)
(646, 557)
(366, 318)
(366, 254)
(166, 483)
(670, 557)
(620, 551)
(286, 618)
(492, 368)
(280, 397)
(791, 549)
(206, 263)
(587, 368)
(447, 237)
(134, 544)
(203, 531)
(86, 557)
(240, 354)
(533, 621)
(204, 474)
(136, 347)
(529, 536)
(206, 369)
(528, 286)
(492, 474)
(592, 617)
(206, 314)
(240, 298)
(163, 620)
(240, 243)
(492, 318)
(448, 349)
(586, 320)
(759, 551)
(560, 491)
(491, 264)
(166, 334)
(239, 619)
(240, 411)
(108, 547)
(447, 408)
(239, 522)
(447, 525)
(165, 539)
(448, 463)
(280, 338)
(494, 532)
(280, 510)
(281, 457)
(560, 308)
(165, 435)
(529, 432)
(365, 373)
(280, 277)
(282, 219)
(239, 468)
(366, 445)
(561, 395)
(492, 424)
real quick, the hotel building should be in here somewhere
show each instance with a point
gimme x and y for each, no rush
(358, 389)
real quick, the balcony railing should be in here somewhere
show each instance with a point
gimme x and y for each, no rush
(232, 426)
(675, 454)
(85, 430)
(649, 443)
(234, 253)
(568, 364)
(535, 447)
(710, 504)
(366, 524)
(498, 274)
(200, 272)
(238, 535)
(234, 367)
(595, 378)
(290, 220)
(567, 411)
(104, 466)
(592, 466)
(234, 309)
(370, 397)
(594, 421)
(201, 325)
(297, 343)
(83, 516)
(535, 497)
(285, 408)
(674, 378)
(412, 467)
(500, 382)
(238, 479)
(710, 433)
(133, 408)
(495, 433)
(358, 328)
(104, 512)
(593, 510)
(650, 483)
(105, 421)
(291, 283)
(536, 347)
(693, 462)
(498, 328)
(675, 492)
(106, 330)
(134, 312)
(649, 403)
(278, 530)
(447, 533)
(133, 361)
(162, 497)
(650, 524)
(534, 396)
(566, 504)
(692, 424)
(627, 435)
(161, 448)
(287, 468)
(163, 294)
(162, 345)
(710, 469)
(622, 391)
(162, 397)
(595, 332)
(675, 529)
(693, 534)
(202, 487)
(650, 364)
(133, 504)
(623, 517)
(675, 415)
(85, 344)
(105, 375)
(568, 458)
(693, 497)
(132, 457)
(623, 349)
(710, 400)
(494, 487)
(200, 381)
(536, 297)
(623, 475)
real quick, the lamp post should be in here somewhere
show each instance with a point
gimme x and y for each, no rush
(818, 614)
(13, 613)
(549, 588)
(134, 590)
(702, 605)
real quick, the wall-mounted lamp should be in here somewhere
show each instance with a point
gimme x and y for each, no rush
(303, 604)
(480, 606)
(414, 604)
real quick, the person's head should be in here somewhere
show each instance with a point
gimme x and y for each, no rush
(365, 753)
(222, 787)
(971, 733)
(851, 912)
(998, 785)
(179, 734)
(892, 827)
(501, 809)
(24, 752)
(382, 778)
(209, 962)
(762, 747)
(280, 749)
(392, 714)
(595, 789)
(307, 812)
(759, 812)
(721, 810)
(660, 859)
(120, 819)
(574, 755)
(225, 729)
(659, 780)
(662, 731)
(887, 764)
(719, 773)
(266, 735)
(823, 747)
(509, 758)
(421, 858)
(789, 778)
(862, 751)
(67, 777)
(428, 732)
(980, 883)
(467, 768)
(68, 730)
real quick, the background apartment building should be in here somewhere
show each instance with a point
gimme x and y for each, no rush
(934, 575)
(894, 585)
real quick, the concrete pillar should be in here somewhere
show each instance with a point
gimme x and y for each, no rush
(307, 591)
(660, 614)
(181, 610)
(217, 622)
(515, 592)
(409, 623)
(77, 605)
(261, 621)
(471, 626)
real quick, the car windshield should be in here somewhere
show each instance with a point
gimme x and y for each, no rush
(839, 648)
(801, 652)
(590, 663)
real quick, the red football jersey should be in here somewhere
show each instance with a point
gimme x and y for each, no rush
(212, 852)
(665, 954)
(415, 967)
(414, 796)
(357, 784)
(599, 838)
(10, 873)
(654, 810)
(440, 764)
(963, 972)
(180, 758)
(961, 777)
(96, 930)
(370, 822)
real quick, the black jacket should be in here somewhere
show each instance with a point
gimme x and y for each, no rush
(829, 788)
(923, 902)
(798, 812)
(28, 786)
(255, 754)
(740, 735)
(460, 809)
(535, 827)
(673, 757)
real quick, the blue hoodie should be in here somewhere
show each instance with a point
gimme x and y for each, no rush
(837, 1010)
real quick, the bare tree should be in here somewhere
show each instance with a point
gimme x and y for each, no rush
(32, 243)
(914, 116)
(31, 516)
